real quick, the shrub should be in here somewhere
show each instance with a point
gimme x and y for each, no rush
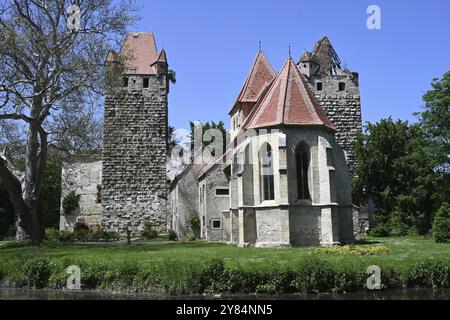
(37, 273)
(81, 235)
(172, 235)
(93, 274)
(66, 236)
(211, 278)
(441, 224)
(194, 222)
(275, 281)
(191, 237)
(348, 278)
(52, 234)
(70, 203)
(430, 274)
(314, 275)
(149, 231)
(380, 230)
(80, 227)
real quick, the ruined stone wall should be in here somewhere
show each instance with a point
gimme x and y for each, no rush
(184, 204)
(82, 177)
(216, 204)
(135, 186)
(343, 108)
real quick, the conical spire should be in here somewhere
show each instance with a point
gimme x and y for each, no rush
(288, 101)
(162, 56)
(260, 76)
(305, 57)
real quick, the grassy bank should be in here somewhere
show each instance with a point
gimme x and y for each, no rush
(198, 267)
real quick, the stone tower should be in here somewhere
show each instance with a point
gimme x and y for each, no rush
(134, 183)
(337, 90)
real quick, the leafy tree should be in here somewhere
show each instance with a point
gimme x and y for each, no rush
(435, 123)
(50, 199)
(441, 224)
(46, 69)
(393, 170)
(205, 126)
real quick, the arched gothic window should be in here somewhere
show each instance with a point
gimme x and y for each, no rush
(266, 171)
(302, 159)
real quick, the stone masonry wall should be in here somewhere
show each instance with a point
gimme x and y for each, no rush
(343, 108)
(135, 186)
(82, 177)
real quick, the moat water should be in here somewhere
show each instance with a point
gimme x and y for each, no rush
(408, 294)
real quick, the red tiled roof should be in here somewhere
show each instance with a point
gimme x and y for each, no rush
(288, 101)
(260, 76)
(142, 51)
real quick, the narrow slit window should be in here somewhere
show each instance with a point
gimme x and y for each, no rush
(146, 82)
(125, 82)
(302, 158)
(341, 86)
(332, 186)
(319, 86)
(267, 179)
(330, 162)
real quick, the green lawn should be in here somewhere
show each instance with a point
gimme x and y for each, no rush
(401, 251)
(193, 268)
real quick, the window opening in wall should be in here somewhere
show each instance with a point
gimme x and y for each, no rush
(216, 224)
(266, 168)
(302, 158)
(222, 191)
(330, 161)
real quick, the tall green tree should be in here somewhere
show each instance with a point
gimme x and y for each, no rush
(435, 123)
(393, 171)
(205, 126)
(51, 59)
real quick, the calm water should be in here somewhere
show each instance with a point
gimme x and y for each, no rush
(409, 294)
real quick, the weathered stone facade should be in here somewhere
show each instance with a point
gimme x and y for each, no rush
(134, 186)
(288, 177)
(343, 109)
(337, 91)
(134, 157)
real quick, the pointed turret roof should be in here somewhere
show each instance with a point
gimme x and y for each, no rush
(162, 56)
(140, 52)
(260, 76)
(305, 57)
(288, 101)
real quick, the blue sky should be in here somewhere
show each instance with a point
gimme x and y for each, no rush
(211, 45)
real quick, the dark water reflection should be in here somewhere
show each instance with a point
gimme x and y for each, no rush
(409, 294)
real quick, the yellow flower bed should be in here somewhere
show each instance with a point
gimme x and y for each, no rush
(358, 250)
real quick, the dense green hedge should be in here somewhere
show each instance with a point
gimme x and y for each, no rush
(81, 236)
(173, 278)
